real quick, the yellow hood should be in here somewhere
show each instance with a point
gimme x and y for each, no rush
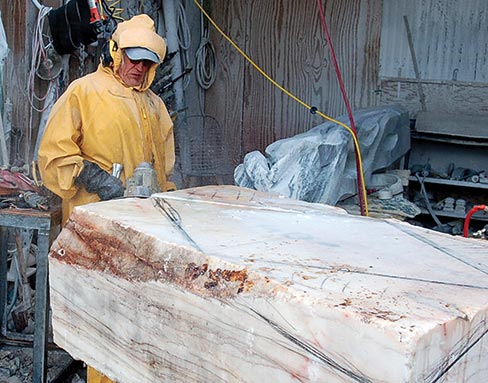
(139, 31)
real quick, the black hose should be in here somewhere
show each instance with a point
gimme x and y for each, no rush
(426, 198)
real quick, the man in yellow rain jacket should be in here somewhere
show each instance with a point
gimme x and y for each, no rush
(108, 117)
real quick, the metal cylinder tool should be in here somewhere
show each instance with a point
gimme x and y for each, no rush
(143, 182)
(117, 169)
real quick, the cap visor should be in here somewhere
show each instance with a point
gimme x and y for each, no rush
(138, 53)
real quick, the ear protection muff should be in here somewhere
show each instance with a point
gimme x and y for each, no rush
(108, 50)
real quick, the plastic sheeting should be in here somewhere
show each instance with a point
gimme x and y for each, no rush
(320, 165)
(3, 56)
(3, 41)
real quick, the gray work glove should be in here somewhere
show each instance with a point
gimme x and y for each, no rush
(97, 180)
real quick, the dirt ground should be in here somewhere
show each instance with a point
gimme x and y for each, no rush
(16, 366)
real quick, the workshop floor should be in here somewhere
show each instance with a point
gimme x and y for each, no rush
(16, 366)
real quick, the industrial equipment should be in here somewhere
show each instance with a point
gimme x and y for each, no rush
(143, 182)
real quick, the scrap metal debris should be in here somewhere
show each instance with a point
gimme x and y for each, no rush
(16, 366)
(19, 191)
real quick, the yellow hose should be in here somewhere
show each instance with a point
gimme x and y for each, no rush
(114, 6)
(292, 96)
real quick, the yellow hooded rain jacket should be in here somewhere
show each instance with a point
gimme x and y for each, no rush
(100, 119)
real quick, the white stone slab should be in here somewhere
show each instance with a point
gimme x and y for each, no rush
(246, 287)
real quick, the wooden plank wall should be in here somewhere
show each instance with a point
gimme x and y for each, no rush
(242, 111)
(19, 18)
(449, 38)
(14, 18)
(448, 97)
(286, 39)
(450, 42)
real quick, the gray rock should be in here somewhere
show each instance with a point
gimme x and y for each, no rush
(76, 379)
(4, 373)
(320, 165)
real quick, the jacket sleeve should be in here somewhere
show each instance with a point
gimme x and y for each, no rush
(163, 145)
(169, 152)
(59, 156)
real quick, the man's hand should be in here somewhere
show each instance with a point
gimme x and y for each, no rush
(97, 180)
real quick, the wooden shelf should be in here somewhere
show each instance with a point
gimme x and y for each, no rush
(443, 141)
(480, 215)
(441, 181)
(454, 140)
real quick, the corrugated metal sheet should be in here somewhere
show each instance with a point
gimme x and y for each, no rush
(450, 39)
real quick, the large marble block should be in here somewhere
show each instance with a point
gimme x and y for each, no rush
(226, 284)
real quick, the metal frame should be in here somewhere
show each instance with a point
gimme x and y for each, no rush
(44, 223)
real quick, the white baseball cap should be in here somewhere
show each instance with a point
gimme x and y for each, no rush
(139, 53)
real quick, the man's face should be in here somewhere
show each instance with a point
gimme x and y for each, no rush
(133, 72)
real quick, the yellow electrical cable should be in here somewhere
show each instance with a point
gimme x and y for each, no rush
(291, 95)
(116, 11)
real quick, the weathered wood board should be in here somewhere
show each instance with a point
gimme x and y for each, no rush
(239, 286)
(448, 97)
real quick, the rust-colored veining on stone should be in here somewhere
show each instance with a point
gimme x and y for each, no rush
(193, 271)
(129, 254)
(218, 278)
(86, 246)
